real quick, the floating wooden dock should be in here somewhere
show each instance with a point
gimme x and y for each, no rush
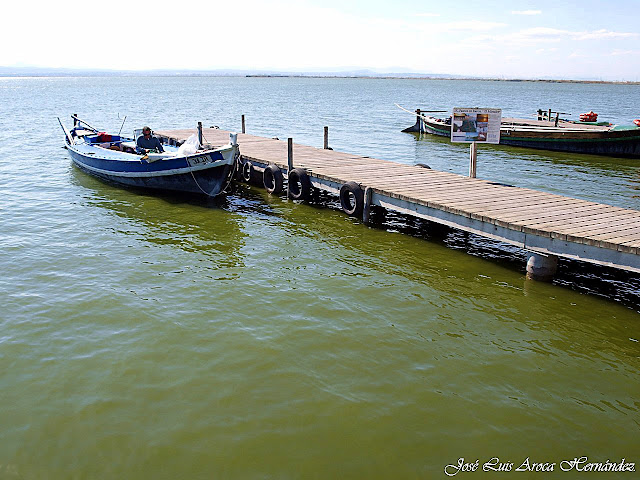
(547, 225)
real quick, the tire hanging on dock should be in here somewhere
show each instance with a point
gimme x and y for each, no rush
(352, 199)
(247, 171)
(273, 179)
(299, 185)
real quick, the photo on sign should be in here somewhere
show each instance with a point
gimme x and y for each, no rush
(472, 125)
(482, 127)
(465, 127)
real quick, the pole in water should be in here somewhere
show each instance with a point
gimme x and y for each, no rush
(366, 211)
(473, 159)
(243, 131)
(326, 138)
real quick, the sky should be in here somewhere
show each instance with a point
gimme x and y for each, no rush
(588, 39)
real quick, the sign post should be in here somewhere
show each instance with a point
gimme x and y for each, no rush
(473, 159)
(475, 125)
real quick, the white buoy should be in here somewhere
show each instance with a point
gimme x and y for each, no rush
(542, 267)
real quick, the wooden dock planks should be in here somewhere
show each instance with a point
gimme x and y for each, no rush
(518, 209)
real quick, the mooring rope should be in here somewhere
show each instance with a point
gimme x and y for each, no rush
(208, 194)
(236, 157)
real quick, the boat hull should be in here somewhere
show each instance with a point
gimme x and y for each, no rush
(205, 173)
(614, 142)
(606, 144)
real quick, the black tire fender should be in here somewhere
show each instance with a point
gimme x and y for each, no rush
(247, 171)
(299, 184)
(352, 199)
(272, 179)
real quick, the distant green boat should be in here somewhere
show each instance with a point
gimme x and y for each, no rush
(559, 135)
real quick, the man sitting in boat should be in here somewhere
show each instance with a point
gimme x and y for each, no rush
(147, 142)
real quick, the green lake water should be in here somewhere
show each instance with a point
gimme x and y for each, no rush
(158, 336)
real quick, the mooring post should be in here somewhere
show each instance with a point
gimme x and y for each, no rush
(243, 131)
(200, 133)
(542, 267)
(290, 153)
(473, 159)
(289, 161)
(366, 211)
(326, 138)
(418, 120)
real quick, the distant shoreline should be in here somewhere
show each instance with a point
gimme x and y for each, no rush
(88, 74)
(393, 77)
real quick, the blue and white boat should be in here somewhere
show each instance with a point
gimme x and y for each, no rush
(113, 158)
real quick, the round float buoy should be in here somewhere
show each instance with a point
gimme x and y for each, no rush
(352, 199)
(272, 179)
(247, 171)
(637, 122)
(299, 184)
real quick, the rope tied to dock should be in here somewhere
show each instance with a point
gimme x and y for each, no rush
(236, 157)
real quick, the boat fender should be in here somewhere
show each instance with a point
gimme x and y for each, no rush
(247, 171)
(352, 199)
(272, 179)
(637, 122)
(423, 165)
(299, 184)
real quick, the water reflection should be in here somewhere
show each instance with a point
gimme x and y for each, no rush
(194, 224)
(432, 254)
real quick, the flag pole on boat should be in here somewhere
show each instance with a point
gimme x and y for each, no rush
(76, 119)
(66, 132)
(125, 119)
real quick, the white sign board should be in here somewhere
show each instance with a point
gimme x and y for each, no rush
(476, 125)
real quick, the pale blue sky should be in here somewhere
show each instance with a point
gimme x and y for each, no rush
(588, 39)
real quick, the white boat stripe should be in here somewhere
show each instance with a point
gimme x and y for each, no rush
(162, 173)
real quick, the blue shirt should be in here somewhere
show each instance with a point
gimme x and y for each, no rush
(148, 144)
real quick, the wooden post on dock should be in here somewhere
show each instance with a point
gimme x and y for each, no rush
(289, 161)
(473, 159)
(326, 138)
(366, 210)
(243, 131)
(290, 153)
(200, 133)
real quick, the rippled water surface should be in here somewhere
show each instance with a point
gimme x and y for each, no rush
(157, 336)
